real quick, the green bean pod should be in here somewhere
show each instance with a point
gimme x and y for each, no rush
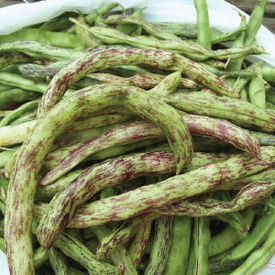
(198, 258)
(18, 81)
(39, 142)
(161, 245)
(145, 80)
(36, 71)
(120, 256)
(237, 184)
(229, 237)
(73, 248)
(255, 22)
(56, 39)
(204, 37)
(111, 57)
(187, 48)
(229, 36)
(239, 112)
(183, 29)
(198, 125)
(40, 50)
(137, 247)
(15, 95)
(259, 258)
(199, 159)
(257, 235)
(238, 42)
(58, 262)
(257, 89)
(184, 186)
(19, 111)
(148, 27)
(8, 59)
(251, 194)
(179, 249)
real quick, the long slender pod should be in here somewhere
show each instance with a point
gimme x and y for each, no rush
(199, 159)
(111, 57)
(257, 235)
(73, 248)
(204, 37)
(119, 256)
(171, 189)
(161, 246)
(137, 247)
(239, 112)
(259, 258)
(39, 142)
(58, 262)
(179, 249)
(198, 258)
(135, 131)
(229, 237)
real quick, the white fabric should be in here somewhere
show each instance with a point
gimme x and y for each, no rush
(223, 16)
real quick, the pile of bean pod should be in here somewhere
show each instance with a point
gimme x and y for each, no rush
(132, 147)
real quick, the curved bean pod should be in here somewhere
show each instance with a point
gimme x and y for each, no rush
(94, 179)
(111, 57)
(204, 37)
(259, 258)
(138, 131)
(247, 196)
(199, 159)
(198, 257)
(239, 112)
(176, 188)
(187, 48)
(8, 59)
(23, 179)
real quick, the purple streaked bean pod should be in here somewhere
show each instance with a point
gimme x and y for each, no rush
(116, 56)
(238, 111)
(23, 181)
(140, 130)
(142, 80)
(94, 179)
(249, 195)
(137, 247)
(173, 189)
(199, 159)
(161, 245)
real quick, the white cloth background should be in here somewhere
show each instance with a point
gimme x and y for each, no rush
(223, 16)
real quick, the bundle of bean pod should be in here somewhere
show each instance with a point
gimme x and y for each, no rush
(133, 147)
